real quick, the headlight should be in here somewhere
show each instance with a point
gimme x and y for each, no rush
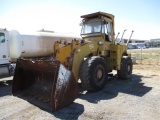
(100, 42)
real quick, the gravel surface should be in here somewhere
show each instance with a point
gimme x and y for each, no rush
(136, 99)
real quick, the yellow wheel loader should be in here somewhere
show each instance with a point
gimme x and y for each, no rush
(52, 84)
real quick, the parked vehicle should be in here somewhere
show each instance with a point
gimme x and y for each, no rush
(14, 45)
(141, 46)
(132, 46)
(52, 83)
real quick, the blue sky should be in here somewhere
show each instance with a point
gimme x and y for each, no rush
(142, 16)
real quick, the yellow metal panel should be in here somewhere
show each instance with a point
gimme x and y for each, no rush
(116, 53)
(75, 53)
(63, 53)
(81, 52)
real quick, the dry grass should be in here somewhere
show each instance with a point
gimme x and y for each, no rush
(146, 56)
(147, 61)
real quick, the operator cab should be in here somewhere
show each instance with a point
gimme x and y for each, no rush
(98, 24)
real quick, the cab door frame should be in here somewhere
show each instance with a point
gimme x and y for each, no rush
(4, 47)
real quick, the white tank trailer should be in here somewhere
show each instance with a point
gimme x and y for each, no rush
(14, 45)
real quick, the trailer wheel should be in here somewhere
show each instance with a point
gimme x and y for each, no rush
(94, 73)
(125, 71)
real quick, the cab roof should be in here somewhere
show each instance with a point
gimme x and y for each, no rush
(98, 14)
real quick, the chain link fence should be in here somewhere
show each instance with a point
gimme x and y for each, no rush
(146, 56)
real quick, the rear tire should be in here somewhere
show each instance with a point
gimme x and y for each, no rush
(125, 71)
(94, 73)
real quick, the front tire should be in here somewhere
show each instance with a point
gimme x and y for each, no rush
(125, 71)
(94, 73)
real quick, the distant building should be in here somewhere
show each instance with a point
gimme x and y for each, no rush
(135, 41)
(155, 42)
(148, 43)
(132, 41)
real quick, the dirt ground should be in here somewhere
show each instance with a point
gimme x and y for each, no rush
(137, 98)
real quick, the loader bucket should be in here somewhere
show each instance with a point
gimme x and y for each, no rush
(44, 83)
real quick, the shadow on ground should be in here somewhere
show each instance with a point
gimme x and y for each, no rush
(71, 112)
(133, 86)
(5, 87)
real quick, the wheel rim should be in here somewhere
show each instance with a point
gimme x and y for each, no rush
(99, 74)
(129, 68)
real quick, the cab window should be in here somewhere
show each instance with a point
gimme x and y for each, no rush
(91, 27)
(2, 38)
(107, 30)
